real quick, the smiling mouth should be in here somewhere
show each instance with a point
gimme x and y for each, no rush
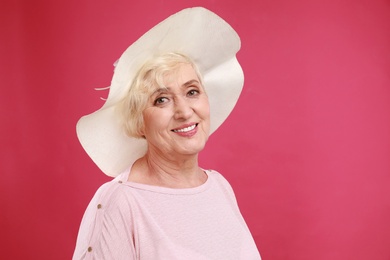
(186, 129)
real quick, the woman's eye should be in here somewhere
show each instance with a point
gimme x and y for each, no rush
(193, 92)
(160, 100)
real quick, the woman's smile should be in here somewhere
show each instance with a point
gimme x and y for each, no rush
(185, 129)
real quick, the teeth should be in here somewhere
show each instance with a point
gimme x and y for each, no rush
(185, 129)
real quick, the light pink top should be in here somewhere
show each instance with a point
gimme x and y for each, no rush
(127, 220)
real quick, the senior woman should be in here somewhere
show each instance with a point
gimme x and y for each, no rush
(157, 118)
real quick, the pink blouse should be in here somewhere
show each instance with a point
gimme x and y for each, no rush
(127, 220)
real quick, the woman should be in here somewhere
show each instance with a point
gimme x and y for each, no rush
(162, 205)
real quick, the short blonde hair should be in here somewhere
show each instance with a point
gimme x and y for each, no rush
(148, 79)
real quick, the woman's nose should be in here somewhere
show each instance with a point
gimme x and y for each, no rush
(183, 109)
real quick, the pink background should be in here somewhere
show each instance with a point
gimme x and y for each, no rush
(307, 148)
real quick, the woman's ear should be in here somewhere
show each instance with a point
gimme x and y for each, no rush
(141, 133)
(142, 130)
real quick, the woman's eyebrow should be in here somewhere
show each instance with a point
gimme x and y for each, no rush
(191, 82)
(159, 91)
(166, 90)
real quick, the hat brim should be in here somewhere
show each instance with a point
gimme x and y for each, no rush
(196, 32)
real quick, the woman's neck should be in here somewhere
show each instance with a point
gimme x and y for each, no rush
(160, 171)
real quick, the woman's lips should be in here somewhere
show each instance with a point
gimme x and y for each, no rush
(185, 129)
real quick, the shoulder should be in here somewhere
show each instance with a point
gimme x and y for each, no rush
(112, 190)
(112, 199)
(221, 181)
(218, 177)
(107, 223)
(112, 195)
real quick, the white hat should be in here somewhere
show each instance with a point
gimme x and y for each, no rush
(195, 32)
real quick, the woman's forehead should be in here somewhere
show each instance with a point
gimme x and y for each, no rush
(183, 75)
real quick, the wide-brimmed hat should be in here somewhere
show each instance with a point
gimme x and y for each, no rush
(195, 32)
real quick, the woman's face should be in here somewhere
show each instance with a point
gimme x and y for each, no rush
(177, 119)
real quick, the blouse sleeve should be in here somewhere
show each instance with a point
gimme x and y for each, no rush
(106, 230)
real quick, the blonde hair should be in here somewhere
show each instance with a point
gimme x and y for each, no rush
(148, 79)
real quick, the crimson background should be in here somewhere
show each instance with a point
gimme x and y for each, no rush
(307, 148)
